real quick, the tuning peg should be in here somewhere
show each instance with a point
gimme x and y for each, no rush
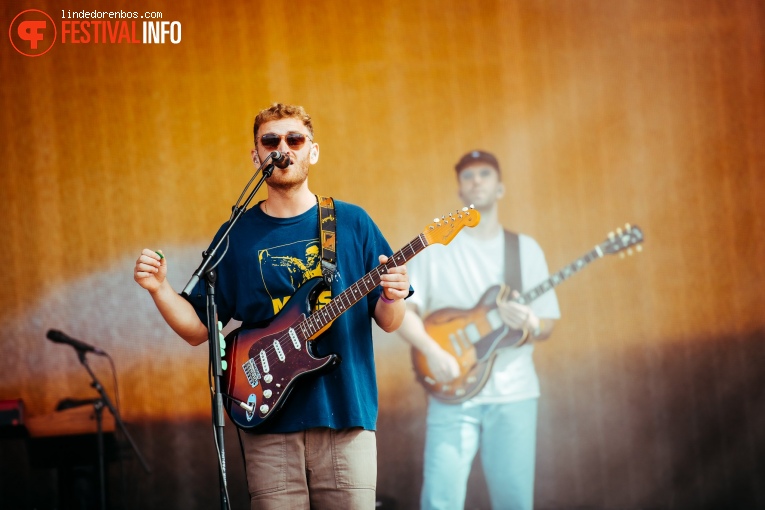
(435, 220)
(639, 248)
(621, 254)
(611, 236)
(619, 231)
(465, 209)
(627, 226)
(629, 251)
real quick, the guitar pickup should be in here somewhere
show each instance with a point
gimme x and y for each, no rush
(468, 336)
(252, 372)
(294, 338)
(279, 351)
(455, 345)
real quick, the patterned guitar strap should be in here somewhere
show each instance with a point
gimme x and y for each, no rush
(327, 228)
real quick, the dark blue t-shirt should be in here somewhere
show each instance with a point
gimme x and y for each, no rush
(267, 260)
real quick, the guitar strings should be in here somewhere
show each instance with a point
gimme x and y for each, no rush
(311, 319)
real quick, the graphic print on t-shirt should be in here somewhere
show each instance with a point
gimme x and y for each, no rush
(285, 268)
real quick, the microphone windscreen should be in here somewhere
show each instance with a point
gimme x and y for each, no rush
(282, 161)
(55, 335)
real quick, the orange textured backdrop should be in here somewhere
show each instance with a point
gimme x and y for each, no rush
(600, 112)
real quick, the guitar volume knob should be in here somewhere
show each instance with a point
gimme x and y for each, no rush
(267, 393)
(268, 378)
(264, 409)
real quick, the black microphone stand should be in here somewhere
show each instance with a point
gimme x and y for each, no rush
(98, 406)
(213, 334)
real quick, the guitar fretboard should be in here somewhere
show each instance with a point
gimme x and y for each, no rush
(350, 296)
(559, 277)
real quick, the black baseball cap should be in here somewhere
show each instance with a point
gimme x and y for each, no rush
(477, 156)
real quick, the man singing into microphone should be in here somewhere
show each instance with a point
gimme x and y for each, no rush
(319, 450)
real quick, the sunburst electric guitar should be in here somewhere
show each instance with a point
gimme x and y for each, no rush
(264, 361)
(474, 336)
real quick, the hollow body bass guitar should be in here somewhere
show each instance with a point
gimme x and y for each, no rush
(474, 336)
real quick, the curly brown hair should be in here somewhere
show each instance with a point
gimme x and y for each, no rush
(282, 111)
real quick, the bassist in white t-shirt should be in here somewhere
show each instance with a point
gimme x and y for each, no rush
(483, 394)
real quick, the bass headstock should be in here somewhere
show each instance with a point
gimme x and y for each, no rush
(622, 240)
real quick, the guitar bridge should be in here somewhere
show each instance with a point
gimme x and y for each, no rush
(252, 372)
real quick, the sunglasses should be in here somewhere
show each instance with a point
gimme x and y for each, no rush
(295, 141)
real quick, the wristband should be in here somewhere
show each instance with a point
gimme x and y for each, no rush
(385, 299)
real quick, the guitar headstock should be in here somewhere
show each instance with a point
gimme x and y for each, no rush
(443, 230)
(623, 240)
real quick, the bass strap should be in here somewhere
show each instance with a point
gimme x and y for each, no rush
(327, 232)
(513, 261)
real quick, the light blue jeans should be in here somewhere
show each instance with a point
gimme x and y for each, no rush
(506, 434)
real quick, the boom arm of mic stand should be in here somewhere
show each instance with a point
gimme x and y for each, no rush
(209, 255)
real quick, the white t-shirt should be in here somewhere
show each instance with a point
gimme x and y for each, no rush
(457, 275)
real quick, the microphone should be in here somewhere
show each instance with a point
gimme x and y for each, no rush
(57, 336)
(280, 159)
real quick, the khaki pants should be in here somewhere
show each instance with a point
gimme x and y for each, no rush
(317, 469)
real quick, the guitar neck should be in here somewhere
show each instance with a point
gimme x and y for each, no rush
(559, 277)
(350, 296)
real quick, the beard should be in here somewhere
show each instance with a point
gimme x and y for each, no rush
(291, 177)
